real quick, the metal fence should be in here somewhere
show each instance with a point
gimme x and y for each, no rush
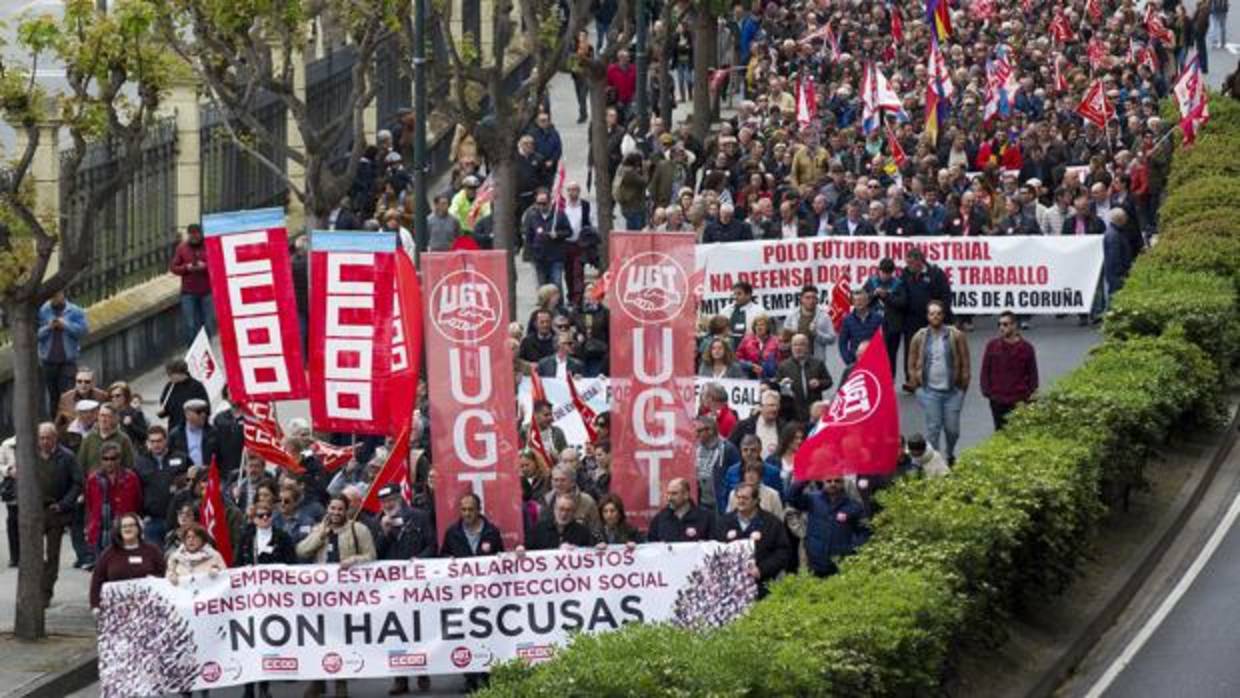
(232, 179)
(133, 235)
(393, 76)
(329, 86)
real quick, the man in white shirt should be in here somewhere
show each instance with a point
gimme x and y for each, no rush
(562, 362)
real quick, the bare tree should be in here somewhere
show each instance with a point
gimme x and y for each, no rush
(241, 49)
(105, 56)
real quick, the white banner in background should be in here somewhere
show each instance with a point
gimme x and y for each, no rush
(1024, 274)
(596, 392)
(435, 616)
(205, 369)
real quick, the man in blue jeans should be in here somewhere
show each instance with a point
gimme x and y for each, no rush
(938, 370)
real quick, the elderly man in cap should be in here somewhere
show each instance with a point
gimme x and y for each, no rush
(195, 437)
(405, 533)
(85, 413)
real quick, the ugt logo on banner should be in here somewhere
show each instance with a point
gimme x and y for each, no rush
(652, 377)
(470, 384)
(252, 284)
(352, 275)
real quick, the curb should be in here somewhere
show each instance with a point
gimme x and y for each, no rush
(82, 672)
(1138, 571)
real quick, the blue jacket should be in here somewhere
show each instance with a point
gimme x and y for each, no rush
(731, 459)
(76, 328)
(547, 143)
(854, 331)
(833, 528)
(770, 477)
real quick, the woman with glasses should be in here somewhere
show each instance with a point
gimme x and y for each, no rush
(263, 544)
(128, 557)
(131, 418)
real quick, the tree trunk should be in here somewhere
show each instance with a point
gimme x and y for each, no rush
(504, 214)
(705, 54)
(667, 96)
(27, 391)
(603, 203)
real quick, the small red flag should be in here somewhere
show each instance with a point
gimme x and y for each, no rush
(586, 412)
(1094, 107)
(1061, 84)
(860, 432)
(1061, 28)
(394, 471)
(406, 341)
(841, 303)
(534, 437)
(214, 516)
(1094, 9)
(897, 151)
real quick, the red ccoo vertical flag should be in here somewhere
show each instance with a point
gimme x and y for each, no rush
(395, 470)
(406, 342)
(214, 516)
(860, 431)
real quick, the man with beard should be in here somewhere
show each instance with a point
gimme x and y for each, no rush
(190, 263)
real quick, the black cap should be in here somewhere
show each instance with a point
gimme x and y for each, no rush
(389, 491)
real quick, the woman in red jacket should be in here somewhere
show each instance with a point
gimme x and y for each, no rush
(111, 491)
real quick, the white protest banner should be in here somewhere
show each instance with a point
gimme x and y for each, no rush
(596, 392)
(1024, 274)
(397, 618)
(204, 368)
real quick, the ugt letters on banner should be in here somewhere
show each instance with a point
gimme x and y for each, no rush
(252, 285)
(653, 319)
(351, 278)
(470, 385)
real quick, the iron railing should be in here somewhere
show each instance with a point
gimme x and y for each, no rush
(329, 88)
(232, 179)
(133, 236)
(393, 76)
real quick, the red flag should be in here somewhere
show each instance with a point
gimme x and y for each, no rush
(1061, 28)
(807, 102)
(1094, 9)
(897, 151)
(718, 77)
(841, 303)
(982, 10)
(558, 194)
(252, 286)
(587, 414)
(484, 196)
(261, 434)
(1061, 83)
(1156, 28)
(464, 242)
(353, 277)
(332, 457)
(1097, 52)
(214, 516)
(1094, 107)
(406, 341)
(860, 431)
(534, 437)
(395, 470)
(897, 25)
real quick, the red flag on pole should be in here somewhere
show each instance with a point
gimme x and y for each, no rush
(1096, 52)
(860, 431)
(587, 414)
(1061, 28)
(395, 470)
(841, 303)
(1094, 9)
(534, 437)
(897, 151)
(1094, 107)
(406, 341)
(214, 516)
(1156, 28)
(1061, 84)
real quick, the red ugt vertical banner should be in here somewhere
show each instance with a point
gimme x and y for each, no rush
(352, 276)
(252, 288)
(470, 384)
(652, 375)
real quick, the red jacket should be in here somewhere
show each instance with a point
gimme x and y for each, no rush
(623, 81)
(124, 495)
(1009, 371)
(193, 281)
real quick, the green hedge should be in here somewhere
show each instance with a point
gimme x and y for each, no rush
(951, 557)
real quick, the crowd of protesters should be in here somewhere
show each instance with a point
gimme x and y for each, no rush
(127, 484)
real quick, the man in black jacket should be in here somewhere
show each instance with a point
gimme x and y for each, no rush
(229, 428)
(727, 228)
(179, 390)
(404, 532)
(772, 549)
(473, 535)
(60, 483)
(161, 470)
(194, 437)
(802, 378)
(562, 528)
(681, 520)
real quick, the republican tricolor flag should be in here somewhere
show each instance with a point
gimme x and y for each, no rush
(939, 90)
(939, 18)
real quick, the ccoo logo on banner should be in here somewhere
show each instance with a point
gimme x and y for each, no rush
(470, 385)
(652, 380)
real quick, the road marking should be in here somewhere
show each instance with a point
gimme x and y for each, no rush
(1130, 651)
(1233, 49)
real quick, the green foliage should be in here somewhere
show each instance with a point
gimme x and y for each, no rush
(951, 557)
(1202, 303)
